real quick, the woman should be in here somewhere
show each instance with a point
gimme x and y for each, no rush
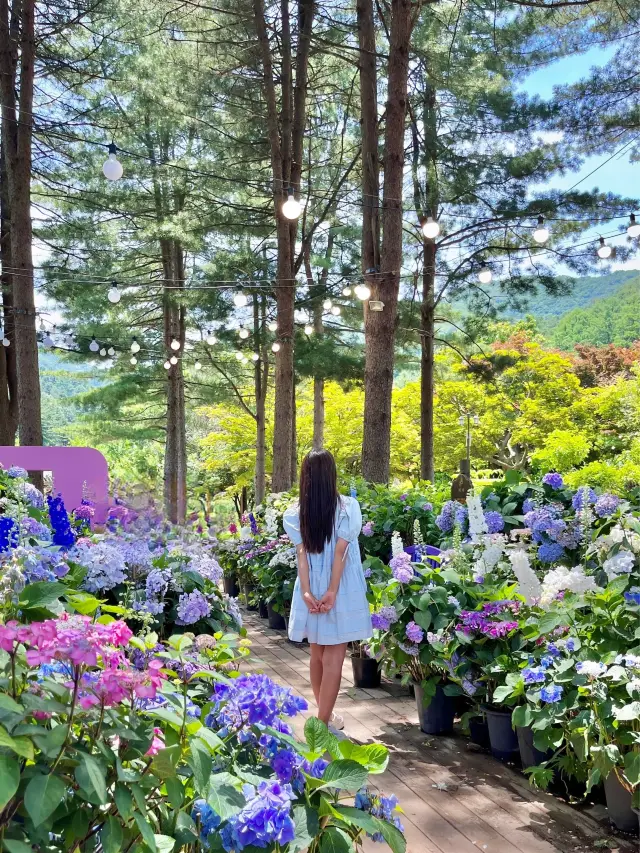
(329, 604)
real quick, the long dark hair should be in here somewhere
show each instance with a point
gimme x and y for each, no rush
(318, 499)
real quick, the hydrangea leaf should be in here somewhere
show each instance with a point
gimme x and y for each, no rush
(42, 796)
(224, 798)
(394, 838)
(307, 826)
(9, 778)
(632, 767)
(316, 734)
(344, 774)
(201, 763)
(359, 818)
(124, 801)
(373, 756)
(628, 712)
(41, 593)
(111, 836)
(90, 775)
(20, 745)
(334, 840)
(146, 831)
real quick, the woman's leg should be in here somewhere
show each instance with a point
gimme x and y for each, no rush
(316, 668)
(332, 660)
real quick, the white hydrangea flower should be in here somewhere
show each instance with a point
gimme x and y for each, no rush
(621, 563)
(494, 545)
(561, 578)
(477, 523)
(271, 521)
(396, 544)
(245, 533)
(529, 585)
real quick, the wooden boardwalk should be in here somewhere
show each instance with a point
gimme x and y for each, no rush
(455, 799)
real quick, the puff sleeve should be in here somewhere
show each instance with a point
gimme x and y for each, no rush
(291, 522)
(349, 520)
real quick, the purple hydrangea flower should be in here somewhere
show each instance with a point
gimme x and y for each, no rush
(494, 521)
(414, 632)
(401, 567)
(192, 607)
(379, 623)
(552, 693)
(553, 480)
(368, 528)
(583, 497)
(32, 495)
(17, 473)
(528, 505)
(606, 505)
(427, 507)
(447, 519)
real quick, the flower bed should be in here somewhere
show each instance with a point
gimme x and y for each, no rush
(152, 741)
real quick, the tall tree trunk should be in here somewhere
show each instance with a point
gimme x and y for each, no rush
(8, 372)
(380, 326)
(294, 438)
(175, 458)
(261, 375)
(318, 385)
(426, 362)
(369, 131)
(17, 49)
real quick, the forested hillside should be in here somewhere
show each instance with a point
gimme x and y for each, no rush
(61, 380)
(613, 320)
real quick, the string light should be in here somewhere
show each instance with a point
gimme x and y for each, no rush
(275, 346)
(114, 296)
(111, 351)
(133, 360)
(604, 251)
(173, 360)
(308, 329)
(135, 346)
(244, 360)
(541, 234)
(240, 299)
(175, 345)
(346, 291)
(363, 291)
(243, 333)
(273, 326)
(112, 168)
(5, 340)
(94, 346)
(291, 208)
(197, 366)
(484, 274)
(327, 304)
(42, 326)
(167, 365)
(103, 352)
(239, 356)
(255, 356)
(335, 310)
(634, 227)
(430, 228)
(211, 339)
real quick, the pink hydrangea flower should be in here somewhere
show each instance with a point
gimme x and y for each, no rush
(157, 743)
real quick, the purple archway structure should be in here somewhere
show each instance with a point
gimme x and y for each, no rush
(78, 472)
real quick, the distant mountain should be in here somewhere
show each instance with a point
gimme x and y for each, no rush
(612, 320)
(62, 379)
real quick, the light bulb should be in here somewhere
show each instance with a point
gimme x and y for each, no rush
(112, 168)
(335, 310)
(243, 333)
(239, 356)
(175, 345)
(47, 341)
(308, 329)
(133, 360)
(103, 352)
(634, 227)
(197, 366)
(485, 275)
(291, 208)
(604, 251)
(6, 342)
(275, 346)
(430, 228)
(273, 326)
(173, 360)
(211, 340)
(255, 356)
(346, 291)
(135, 346)
(244, 360)
(94, 346)
(541, 234)
(327, 304)
(111, 351)
(240, 299)
(363, 291)
(114, 296)
(167, 365)
(42, 326)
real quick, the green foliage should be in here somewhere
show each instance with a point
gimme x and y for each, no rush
(610, 320)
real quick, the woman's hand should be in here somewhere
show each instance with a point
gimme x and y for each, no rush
(311, 602)
(327, 601)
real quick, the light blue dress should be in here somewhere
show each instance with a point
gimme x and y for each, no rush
(349, 619)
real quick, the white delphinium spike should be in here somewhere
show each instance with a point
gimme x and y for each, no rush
(418, 539)
(530, 587)
(477, 524)
(396, 544)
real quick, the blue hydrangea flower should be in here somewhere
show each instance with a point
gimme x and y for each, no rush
(528, 505)
(192, 607)
(553, 480)
(32, 495)
(552, 693)
(549, 552)
(583, 497)
(533, 675)
(495, 522)
(632, 596)
(251, 700)
(17, 473)
(447, 519)
(206, 819)
(265, 820)
(380, 806)
(606, 505)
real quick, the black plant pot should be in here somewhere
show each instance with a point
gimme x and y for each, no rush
(263, 610)
(366, 672)
(529, 755)
(479, 732)
(621, 815)
(437, 717)
(503, 739)
(247, 591)
(276, 620)
(230, 584)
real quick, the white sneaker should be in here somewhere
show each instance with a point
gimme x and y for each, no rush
(336, 722)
